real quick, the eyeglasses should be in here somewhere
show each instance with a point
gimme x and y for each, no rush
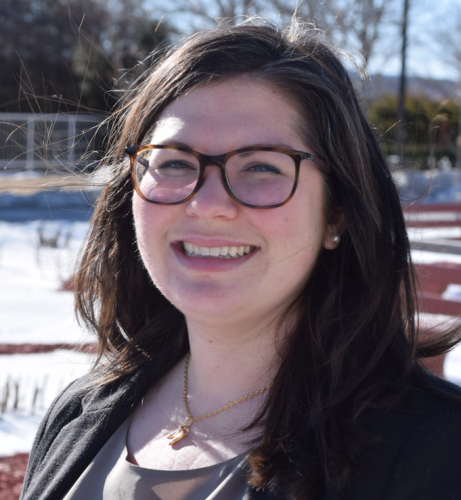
(255, 177)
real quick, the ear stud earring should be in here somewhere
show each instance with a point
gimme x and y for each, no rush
(335, 238)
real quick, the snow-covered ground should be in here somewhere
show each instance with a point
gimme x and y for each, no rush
(453, 361)
(417, 235)
(33, 381)
(33, 310)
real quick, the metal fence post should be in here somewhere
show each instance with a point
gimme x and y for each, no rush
(71, 131)
(30, 142)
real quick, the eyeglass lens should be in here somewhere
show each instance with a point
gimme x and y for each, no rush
(258, 178)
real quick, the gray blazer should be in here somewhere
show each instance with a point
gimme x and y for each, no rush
(418, 455)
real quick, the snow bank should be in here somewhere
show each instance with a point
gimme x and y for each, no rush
(32, 381)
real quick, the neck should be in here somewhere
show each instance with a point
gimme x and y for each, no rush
(227, 364)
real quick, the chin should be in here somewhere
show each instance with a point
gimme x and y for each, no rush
(206, 299)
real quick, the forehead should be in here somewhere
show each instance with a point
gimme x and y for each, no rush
(230, 115)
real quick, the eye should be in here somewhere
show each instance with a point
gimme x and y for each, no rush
(264, 168)
(175, 165)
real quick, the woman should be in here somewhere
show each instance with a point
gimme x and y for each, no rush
(253, 296)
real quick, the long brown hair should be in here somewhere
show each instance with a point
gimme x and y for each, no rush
(354, 346)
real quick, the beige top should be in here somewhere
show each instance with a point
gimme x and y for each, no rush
(111, 477)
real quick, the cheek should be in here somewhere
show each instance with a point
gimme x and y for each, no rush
(147, 222)
(310, 210)
(148, 229)
(300, 235)
(141, 223)
(294, 240)
(304, 223)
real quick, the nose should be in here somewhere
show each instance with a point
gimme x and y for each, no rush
(212, 199)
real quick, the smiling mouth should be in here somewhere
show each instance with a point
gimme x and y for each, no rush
(192, 250)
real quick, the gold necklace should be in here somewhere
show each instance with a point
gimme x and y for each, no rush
(182, 430)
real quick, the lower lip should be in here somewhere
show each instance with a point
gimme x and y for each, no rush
(209, 264)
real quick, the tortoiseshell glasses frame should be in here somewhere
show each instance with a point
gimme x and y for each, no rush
(220, 161)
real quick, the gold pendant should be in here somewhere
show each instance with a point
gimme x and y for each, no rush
(180, 432)
(177, 435)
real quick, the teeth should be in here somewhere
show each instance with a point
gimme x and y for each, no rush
(220, 252)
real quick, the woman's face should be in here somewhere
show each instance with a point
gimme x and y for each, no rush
(284, 241)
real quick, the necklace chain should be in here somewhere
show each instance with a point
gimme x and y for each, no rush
(181, 432)
(237, 401)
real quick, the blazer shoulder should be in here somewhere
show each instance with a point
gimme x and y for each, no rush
(428, 463)
(68, 403)
(414, 446)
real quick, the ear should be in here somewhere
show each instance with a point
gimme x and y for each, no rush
(334, 230)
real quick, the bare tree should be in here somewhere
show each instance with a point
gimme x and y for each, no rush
(69, 53)
(317, 11)
(403, 83)
(358, 25)
(361, 20)
(201, 14)
(448, 38)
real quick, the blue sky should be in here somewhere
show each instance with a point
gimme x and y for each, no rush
(427, 18)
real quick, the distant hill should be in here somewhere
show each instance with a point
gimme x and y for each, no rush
(436, 90)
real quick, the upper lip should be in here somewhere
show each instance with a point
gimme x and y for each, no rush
(214, 242)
